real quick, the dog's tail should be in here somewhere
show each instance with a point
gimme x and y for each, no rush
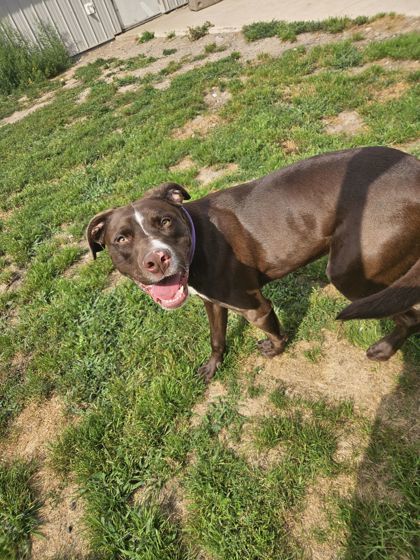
(397, 298)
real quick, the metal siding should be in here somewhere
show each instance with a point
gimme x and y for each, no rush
(168, 5)
(79, 30)
(133, 12)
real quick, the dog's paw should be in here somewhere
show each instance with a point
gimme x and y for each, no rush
(269, 349)
(380, 351)
(207, 370)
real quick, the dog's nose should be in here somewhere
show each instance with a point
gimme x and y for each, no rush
(157, 261)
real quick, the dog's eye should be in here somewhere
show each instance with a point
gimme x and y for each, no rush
(165, 222)
(121, 239)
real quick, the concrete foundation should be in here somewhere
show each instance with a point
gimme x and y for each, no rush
(196, 5)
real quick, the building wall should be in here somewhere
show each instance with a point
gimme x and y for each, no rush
(79, 30)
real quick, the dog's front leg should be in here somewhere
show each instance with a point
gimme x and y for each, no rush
(265, 319)
(218, 322)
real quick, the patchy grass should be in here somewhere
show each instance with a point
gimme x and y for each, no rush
(126, 369)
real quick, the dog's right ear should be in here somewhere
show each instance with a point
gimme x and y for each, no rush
(95, 232)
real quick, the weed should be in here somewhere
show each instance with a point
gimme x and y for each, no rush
(139, 61)
(357, 37)
(212, 48)
(172, 67)
(23, 62)
(171, 35)
(195, 33)
(167, 52)
(146, 36)
(314, 354)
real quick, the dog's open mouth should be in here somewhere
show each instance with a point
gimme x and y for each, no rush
(169, 293)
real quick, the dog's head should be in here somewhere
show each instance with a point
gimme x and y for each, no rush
(150, 241)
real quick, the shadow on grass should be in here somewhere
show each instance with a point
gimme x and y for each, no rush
(381, 516)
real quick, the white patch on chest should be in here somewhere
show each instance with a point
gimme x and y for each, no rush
(194, 292)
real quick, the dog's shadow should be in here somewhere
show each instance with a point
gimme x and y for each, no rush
(381, 517)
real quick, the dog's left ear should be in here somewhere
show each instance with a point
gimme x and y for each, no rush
(95, 232)
(172, 192)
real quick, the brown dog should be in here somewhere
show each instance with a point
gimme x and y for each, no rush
(362, 206)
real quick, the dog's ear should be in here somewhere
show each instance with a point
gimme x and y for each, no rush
(172, 192)
(95, 232)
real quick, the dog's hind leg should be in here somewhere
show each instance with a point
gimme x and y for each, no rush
(407, 323)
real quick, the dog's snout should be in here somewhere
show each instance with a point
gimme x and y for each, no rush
(157, 261)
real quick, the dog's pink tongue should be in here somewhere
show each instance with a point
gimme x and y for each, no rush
(166, 289)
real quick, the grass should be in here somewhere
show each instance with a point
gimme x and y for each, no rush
(288, 31)
(126, 369)
(19, 507)
(146, 36)
(23, 62)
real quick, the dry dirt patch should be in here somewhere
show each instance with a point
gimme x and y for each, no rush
(83, 95)
(209, 174)
(314, 517)
(395, 91)
(200, 126)
(216, 98)
(46, 99)
(129, 87)
(184, 164)
(289, 147)
(62, 534)
(36, 426)
(14, 282)
(342, 373)
(347, 122)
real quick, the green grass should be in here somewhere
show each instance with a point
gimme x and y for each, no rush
(19, 507)
(146, 36)
(288, 31)
(126, 369)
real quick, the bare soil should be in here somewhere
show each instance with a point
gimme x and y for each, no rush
(347, 122)
(342, 373)
(209, 174)
(199, 126)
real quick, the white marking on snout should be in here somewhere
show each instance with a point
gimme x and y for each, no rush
(156, 244)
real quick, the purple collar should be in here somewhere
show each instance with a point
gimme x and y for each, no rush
(193, 237)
